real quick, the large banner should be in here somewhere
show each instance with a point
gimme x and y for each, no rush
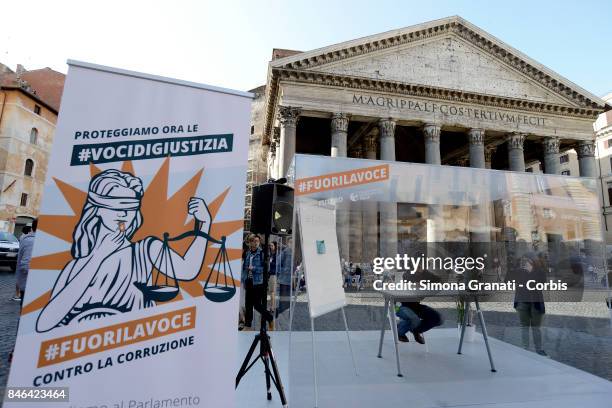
(133, 290)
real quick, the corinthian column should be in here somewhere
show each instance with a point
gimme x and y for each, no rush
(591, 225)
(344, 225)
(523, 216)
(388, 211)
(370, 208)
(432, 143)
(339, 128)
(591, 222)
(516, 157)
(586, 158)
(551, 155)
(477, 151)
(356, 219)
(435, 222)
(275, 149)
(479, 214)
(288, 117)
(387, 139)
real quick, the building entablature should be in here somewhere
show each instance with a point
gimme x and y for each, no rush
(478, 79)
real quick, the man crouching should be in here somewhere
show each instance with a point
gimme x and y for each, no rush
(416, 317)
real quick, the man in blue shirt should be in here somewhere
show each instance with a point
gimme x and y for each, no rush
(24, 231)
(252, 279)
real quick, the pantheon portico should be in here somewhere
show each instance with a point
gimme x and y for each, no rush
(443, 92)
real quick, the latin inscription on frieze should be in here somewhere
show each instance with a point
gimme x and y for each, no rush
(448, 109)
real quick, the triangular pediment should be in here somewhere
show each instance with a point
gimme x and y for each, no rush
(449, 53)
(447, 62)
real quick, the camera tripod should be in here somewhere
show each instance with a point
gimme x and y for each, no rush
(263, 340)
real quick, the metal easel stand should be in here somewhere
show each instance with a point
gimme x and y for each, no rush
(314, 350)
(484, 330)
(388, 310)
(348, 338)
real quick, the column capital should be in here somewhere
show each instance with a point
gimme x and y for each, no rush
(516, 140)
(288, 115)
(586, 148)
(551, 145)
(431, 131)
(476, 136)
(387, 127)
(370, 140)
(339, 122)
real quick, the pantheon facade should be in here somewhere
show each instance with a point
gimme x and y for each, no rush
(443, 92)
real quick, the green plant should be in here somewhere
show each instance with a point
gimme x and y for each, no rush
(461, 311)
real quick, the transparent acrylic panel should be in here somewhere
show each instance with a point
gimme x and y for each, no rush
(544, 231)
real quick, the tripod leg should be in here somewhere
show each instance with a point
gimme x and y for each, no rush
(277, 379)
(269, 360)
(243, 369)
(267, 370)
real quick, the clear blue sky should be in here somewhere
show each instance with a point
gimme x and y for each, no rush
(228, 43)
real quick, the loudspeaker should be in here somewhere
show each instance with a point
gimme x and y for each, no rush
(272, 209)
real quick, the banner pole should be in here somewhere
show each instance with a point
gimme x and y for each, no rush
(314, 364)
(348, 337)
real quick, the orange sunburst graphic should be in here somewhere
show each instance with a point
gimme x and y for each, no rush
(161, 214)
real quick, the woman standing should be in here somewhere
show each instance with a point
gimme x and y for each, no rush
(285, 264)
(529, 304)
(252, 279)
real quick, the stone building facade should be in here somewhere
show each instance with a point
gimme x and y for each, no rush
(443, 92)
(603, 131)
(257, 172)
(29, 105)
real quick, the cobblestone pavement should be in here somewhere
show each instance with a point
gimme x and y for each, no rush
(577, 334)
(9, 314)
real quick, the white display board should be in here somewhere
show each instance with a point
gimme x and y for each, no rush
(133, 289)
(323, 270)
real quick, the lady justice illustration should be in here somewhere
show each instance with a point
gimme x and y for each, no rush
(109, 274)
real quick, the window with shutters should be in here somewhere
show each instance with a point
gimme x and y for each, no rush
(33, 136)
(29, 167)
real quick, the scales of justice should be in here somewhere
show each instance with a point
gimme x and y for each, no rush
(156, 291)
